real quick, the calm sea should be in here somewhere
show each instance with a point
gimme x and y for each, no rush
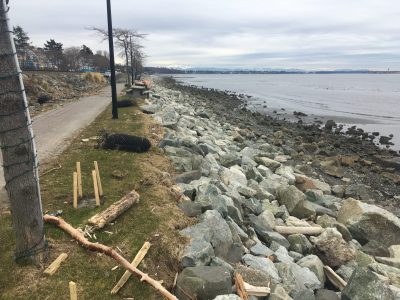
(370, 101)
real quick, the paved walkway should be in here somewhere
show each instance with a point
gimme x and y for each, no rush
(53, 129)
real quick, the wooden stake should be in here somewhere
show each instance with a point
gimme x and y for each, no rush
(78, 236)
(75, 190)
(55, 264)
(78, 170)
(287, 230)
(73, 293)
(96, 168)
(334, 278)
(96, 189)
(136, 261)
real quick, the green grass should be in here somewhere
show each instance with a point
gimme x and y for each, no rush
(155, 213)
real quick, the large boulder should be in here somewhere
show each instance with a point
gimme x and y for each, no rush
(233, 176)
(332, 248)
(316, 266)
(253, 276)
(365, 284)
(369, 222)
(203, 283)
(262, 264)
(296, 278)
(295, 201)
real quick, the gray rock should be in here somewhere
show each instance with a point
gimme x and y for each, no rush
(230, 159)
(368, 222)
(299, 243)
(268, 218)
(233, 176)
(338, 190)
(221, 237)
(286, 172)
(197, 253)
(365, 284)
(295, 255)
(266, 233)
(261, 250)
(282, 255)
(345, 271)
(253, 276)
(327, 221)
(262, 264)
(210, 198)
(190, 208)
(228, 297)
(316, 266)
(303, 295)
(267, 162)
(279, 293)
(218, 262)
(375, 248)
(264, 171)
(332, 248)
(295, 202)
(203, 283)
(188, 177)
(324, 294)
(357, 191)
(246, 191)
(296, 278)
(253, 173)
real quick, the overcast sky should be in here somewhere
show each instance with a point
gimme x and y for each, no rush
(307, 34)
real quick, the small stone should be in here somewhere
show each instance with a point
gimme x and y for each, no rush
(316, 266)
(228, 297)
(326, 295)
(261, 250)
(279, 293)
(299, 243)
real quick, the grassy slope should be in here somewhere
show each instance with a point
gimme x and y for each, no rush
(155, 218)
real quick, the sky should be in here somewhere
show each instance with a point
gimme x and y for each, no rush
(301, 34)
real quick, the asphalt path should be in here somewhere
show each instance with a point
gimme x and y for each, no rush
(54, 129)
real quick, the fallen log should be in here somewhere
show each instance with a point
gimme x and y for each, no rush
(78, 236)
(136, 261)
(336, 280)
(288, 230)
(114, 210)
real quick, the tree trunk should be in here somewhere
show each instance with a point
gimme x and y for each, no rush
(131, 57)
(19, 153)
(127, 61)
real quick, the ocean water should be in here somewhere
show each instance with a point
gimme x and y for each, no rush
(369, 101)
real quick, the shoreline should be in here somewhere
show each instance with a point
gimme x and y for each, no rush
(309, 143)
(366, 123)
(256, 187)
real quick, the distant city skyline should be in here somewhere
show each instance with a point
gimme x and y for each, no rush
(298, 34)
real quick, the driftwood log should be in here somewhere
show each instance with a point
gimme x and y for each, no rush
(334, 278)
(288, 230)
(240, 289)
(78, 236)
(114, 210)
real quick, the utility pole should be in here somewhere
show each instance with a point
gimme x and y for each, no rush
(112, 62)
(19, 152)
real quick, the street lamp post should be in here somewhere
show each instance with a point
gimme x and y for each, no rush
(112, 62)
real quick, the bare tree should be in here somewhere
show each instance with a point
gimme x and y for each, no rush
(124, 38)
(19, 153)
(73, 58)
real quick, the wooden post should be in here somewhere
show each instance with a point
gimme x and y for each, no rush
(73, 293)
(96, 189)
(75, 189)
(55, 264)
(96, 168)
(136, 261)
(78, 170)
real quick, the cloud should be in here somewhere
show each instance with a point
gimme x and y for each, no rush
(251, 33)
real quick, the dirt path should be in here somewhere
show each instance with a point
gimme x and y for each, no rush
(54, 128)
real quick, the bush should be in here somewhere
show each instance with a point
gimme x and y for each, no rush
(94, 77)
(43, 99)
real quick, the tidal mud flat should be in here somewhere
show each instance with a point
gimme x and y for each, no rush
(277, 202)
